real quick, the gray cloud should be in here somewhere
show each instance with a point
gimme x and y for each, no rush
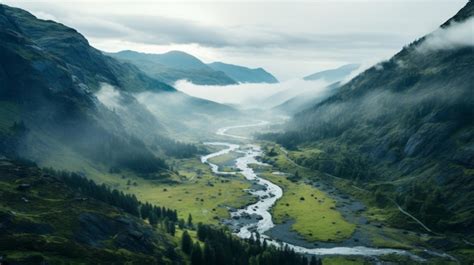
(158, 30)
(288, 39)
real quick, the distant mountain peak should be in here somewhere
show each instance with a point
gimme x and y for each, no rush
(244, 74)
(333, 75)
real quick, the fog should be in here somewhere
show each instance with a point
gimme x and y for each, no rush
(454, 36)
(109, 96)
(253, 95)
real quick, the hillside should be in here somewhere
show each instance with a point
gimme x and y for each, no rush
(333, 75)
(404, 130)
(173, 66)
(51, 217)
(46, 220)
(243, 74)
(306, 100)
(51, 112)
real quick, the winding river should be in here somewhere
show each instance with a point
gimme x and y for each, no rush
(257, 216)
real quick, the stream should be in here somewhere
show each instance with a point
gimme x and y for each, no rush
(256, 217)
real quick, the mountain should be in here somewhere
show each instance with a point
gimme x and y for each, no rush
(67, 105)
(404, 130)
(333, 75)
(52, 218)
(243, 74)
(173, 66)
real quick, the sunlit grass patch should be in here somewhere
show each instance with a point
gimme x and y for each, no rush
(313, 212)
(203, 195)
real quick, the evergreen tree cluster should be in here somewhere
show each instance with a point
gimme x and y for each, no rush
(127, 202)
(176, 148)
(221, 247)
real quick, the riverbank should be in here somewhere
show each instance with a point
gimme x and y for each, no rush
(257, 217)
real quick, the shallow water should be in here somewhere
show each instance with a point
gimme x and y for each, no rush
(268, 196)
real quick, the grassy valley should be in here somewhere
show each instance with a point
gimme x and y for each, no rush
(103, 161)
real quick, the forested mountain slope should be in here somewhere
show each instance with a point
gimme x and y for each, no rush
(50, 79)
(51, 217)
(404, 128)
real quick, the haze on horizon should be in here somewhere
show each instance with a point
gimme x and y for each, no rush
(288, 40)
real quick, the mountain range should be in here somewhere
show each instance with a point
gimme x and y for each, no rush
(177, 65)
(62, 98)
(404, 129)
(333, 75)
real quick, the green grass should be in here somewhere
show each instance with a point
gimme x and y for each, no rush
(51, 202)
(196, 191)
(315, 218)
(344, 261)
(313, 212)
(225, 159)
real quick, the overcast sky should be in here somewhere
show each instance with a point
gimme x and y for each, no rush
(288, 38)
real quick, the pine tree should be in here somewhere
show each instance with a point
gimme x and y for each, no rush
(186, 243)
(196, 255)
(209, 257)
(190, 221)
(171, 228)
(153, 219)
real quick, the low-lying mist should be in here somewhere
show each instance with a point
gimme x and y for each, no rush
(246, 95)
(453, 36)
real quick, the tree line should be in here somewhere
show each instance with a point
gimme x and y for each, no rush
(175, 148)
(221, 247)
(155, 215)
(214, 245)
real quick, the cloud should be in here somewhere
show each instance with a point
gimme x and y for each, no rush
(259, 95)
(255, 34)
(109, 96)
(158, 30)
(455, 35)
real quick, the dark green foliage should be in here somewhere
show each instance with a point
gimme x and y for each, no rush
(71, 220)
(408, 121)
(127, 202)
(428, 204)
(186, 243)
(315, 261)
(176, 148)
(196, 255)
(190, 221)
(221, 247)
(272, 152)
